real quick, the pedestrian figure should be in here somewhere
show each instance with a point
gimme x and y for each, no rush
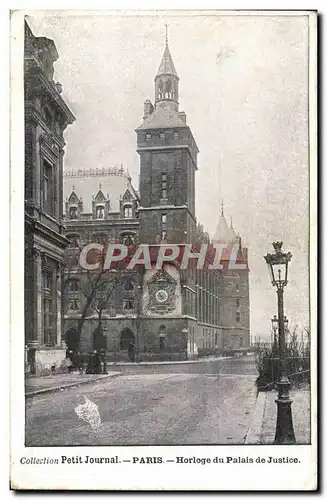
(91, 363)
(70, 362)
(131, 352)
(97, 363)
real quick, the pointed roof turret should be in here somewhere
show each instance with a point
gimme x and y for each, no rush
(167, 66)
(231, 230)
(222, 232)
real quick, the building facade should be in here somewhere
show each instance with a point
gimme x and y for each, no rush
(170, 312)
(46, 118)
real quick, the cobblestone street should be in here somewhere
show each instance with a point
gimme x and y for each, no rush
(209, 402)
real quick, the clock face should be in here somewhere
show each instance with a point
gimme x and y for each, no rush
(161, 296)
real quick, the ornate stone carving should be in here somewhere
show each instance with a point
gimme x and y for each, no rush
(49, 141)
(162, 292)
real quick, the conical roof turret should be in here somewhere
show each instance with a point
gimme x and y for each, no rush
(167, 66)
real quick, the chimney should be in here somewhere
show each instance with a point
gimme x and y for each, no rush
(182, 116)
(148, 109)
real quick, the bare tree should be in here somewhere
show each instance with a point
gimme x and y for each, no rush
(95, 287)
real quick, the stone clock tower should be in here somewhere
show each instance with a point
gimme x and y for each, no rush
(168, 162)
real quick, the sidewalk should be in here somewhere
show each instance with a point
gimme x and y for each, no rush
(52, 383)
(263, 426)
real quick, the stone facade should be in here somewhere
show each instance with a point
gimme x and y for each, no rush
(172, 313)
(46, 118)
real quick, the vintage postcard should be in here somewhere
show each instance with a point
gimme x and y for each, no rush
(163, 222)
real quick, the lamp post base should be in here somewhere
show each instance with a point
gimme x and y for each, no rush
(284, 427)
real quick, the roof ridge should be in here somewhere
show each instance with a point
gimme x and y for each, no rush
(94, 172)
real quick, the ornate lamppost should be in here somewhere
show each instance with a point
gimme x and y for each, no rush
(139, 312)
(274, 326)
(278, 268)
(286, 331)
(104, 350)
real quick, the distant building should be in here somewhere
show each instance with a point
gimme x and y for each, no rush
(233, 289)
(168, 312)
(46, 118)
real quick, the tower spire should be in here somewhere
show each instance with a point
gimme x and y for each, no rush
(166, 80)
(166, 26)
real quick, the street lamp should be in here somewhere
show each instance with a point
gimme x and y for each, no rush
(104, 353)
(286, 330)
(185, 333)
(274, 325)
(278, 268)
(138, 322)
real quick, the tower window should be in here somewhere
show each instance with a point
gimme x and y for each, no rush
(238, 316)
(176, 135)
(147, 137)
(237, 303)
(163, 186)
(162, 135)
(164, 218)
(163, 235)
(128, 212)
(100, 212)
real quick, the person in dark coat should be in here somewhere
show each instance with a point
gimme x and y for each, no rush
(131, 352)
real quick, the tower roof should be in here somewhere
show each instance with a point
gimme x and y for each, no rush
(167, 65)
(222, 232)
(231, 231)
(163, 117)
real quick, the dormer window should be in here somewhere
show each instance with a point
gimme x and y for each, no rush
(128, 212)
(100, 212)
(73, 213)
(147, 137)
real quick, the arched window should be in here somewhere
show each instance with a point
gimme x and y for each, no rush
(162, 337)
(73, 240)
(73, 213)
(100, 212)
(168, 92)
(128, 239)
(128, 286)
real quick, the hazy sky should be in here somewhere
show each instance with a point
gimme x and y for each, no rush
(244, 88)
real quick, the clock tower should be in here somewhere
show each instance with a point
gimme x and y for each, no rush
(168, 161)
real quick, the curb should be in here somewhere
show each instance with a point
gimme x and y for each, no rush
(254, 433)
(149, 363)
(71, 384)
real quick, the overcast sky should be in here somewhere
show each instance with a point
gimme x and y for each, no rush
(244, 88)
